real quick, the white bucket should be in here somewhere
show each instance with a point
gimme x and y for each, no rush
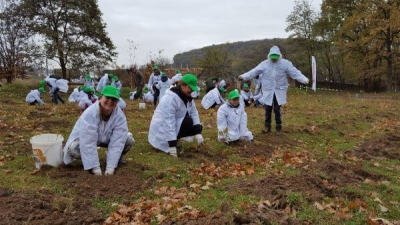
(142, 105)
(47, 149)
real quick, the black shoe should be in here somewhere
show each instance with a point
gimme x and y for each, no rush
(278, 128)
(266, 130)
(122, 161)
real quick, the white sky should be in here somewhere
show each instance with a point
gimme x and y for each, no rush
(176, 26)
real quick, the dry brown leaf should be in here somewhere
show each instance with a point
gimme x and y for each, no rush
(319, 206)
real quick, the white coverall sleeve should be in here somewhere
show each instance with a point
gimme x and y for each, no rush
(295, 73)
(222, 123)
(88, 137)
(117, 142)
(258, 70)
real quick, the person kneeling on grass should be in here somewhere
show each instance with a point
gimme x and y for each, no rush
(176, 117)
(232, 120)
(102, 124)
(34, 97)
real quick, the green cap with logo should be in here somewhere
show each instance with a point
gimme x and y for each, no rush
(110, 91)
(41, 89)
(190, 80)
(233, 94)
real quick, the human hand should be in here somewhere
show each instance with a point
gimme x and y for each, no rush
(97, 171)
(306, 81)
(199, 139)
(109, 171)
(173, 152)
(240, 77)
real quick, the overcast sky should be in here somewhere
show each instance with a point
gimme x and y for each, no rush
(176, 26)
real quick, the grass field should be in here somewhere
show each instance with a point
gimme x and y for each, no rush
(336, 162)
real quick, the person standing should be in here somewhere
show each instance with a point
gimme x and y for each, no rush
(164, 84)
(273, 74)
(176, 117)
(89, 82)
(139, 82)
(154, 79)
(103, 124)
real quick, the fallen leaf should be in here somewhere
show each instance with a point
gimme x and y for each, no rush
(319, 206)
(383, 208)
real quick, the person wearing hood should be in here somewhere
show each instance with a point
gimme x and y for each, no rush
(154, 79)
(34, 97)
(273, 74)
(104, 80)
(177, 77)
(164, 84)
(88, 82)
(213, 98)
(232, 120)
(176, 117)
(102, 124)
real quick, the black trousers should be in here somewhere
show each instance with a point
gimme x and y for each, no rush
(268, 111)
(188, 129)
(156, 94)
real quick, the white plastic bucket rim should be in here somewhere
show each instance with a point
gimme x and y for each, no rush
(47, 149)
(142, 105)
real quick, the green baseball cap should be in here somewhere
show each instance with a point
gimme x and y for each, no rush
(87, 89)
(245, 85)
(233, 94)
(115, 78)
(190, 80)
(88, 77)
(42, 82)
(110, 91)
(41, 89)
(177, 71)
(274, 56)
(155, 67)
(163, 74)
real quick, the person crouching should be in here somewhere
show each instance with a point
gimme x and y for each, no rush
(102, 124)
(176, 117)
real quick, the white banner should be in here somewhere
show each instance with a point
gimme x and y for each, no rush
(314, 73)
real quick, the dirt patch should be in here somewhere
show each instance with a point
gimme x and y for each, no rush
(384, 147)
(319, 180)
(126, 182)
(47, 208)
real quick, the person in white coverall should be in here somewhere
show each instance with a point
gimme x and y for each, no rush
(154, 79)
(33, 96)
(56, 85)
(89, 82)
(232, 120)
(104, 80)
(177, 77)
(103, 124)
(75, 95)
(176, 117)
(274, 84)
(213, 98)
(164, 84)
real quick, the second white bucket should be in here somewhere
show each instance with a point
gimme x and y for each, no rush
(142, 105)
(47, 149)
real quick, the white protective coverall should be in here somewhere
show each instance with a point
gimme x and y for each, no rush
(34, 95)
(167, 120)
(273, 77)
(92, 131)
(176, 77)
(75, 96)
(61, 84)
(153, 79)
(163, 86)
(104, 80)
(212, 97)
(232, 123)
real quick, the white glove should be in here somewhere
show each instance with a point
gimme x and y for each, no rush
(199, 139)
(306, 81)
(240, 77)
(109, 171)
(173, 152)
(97, 171)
